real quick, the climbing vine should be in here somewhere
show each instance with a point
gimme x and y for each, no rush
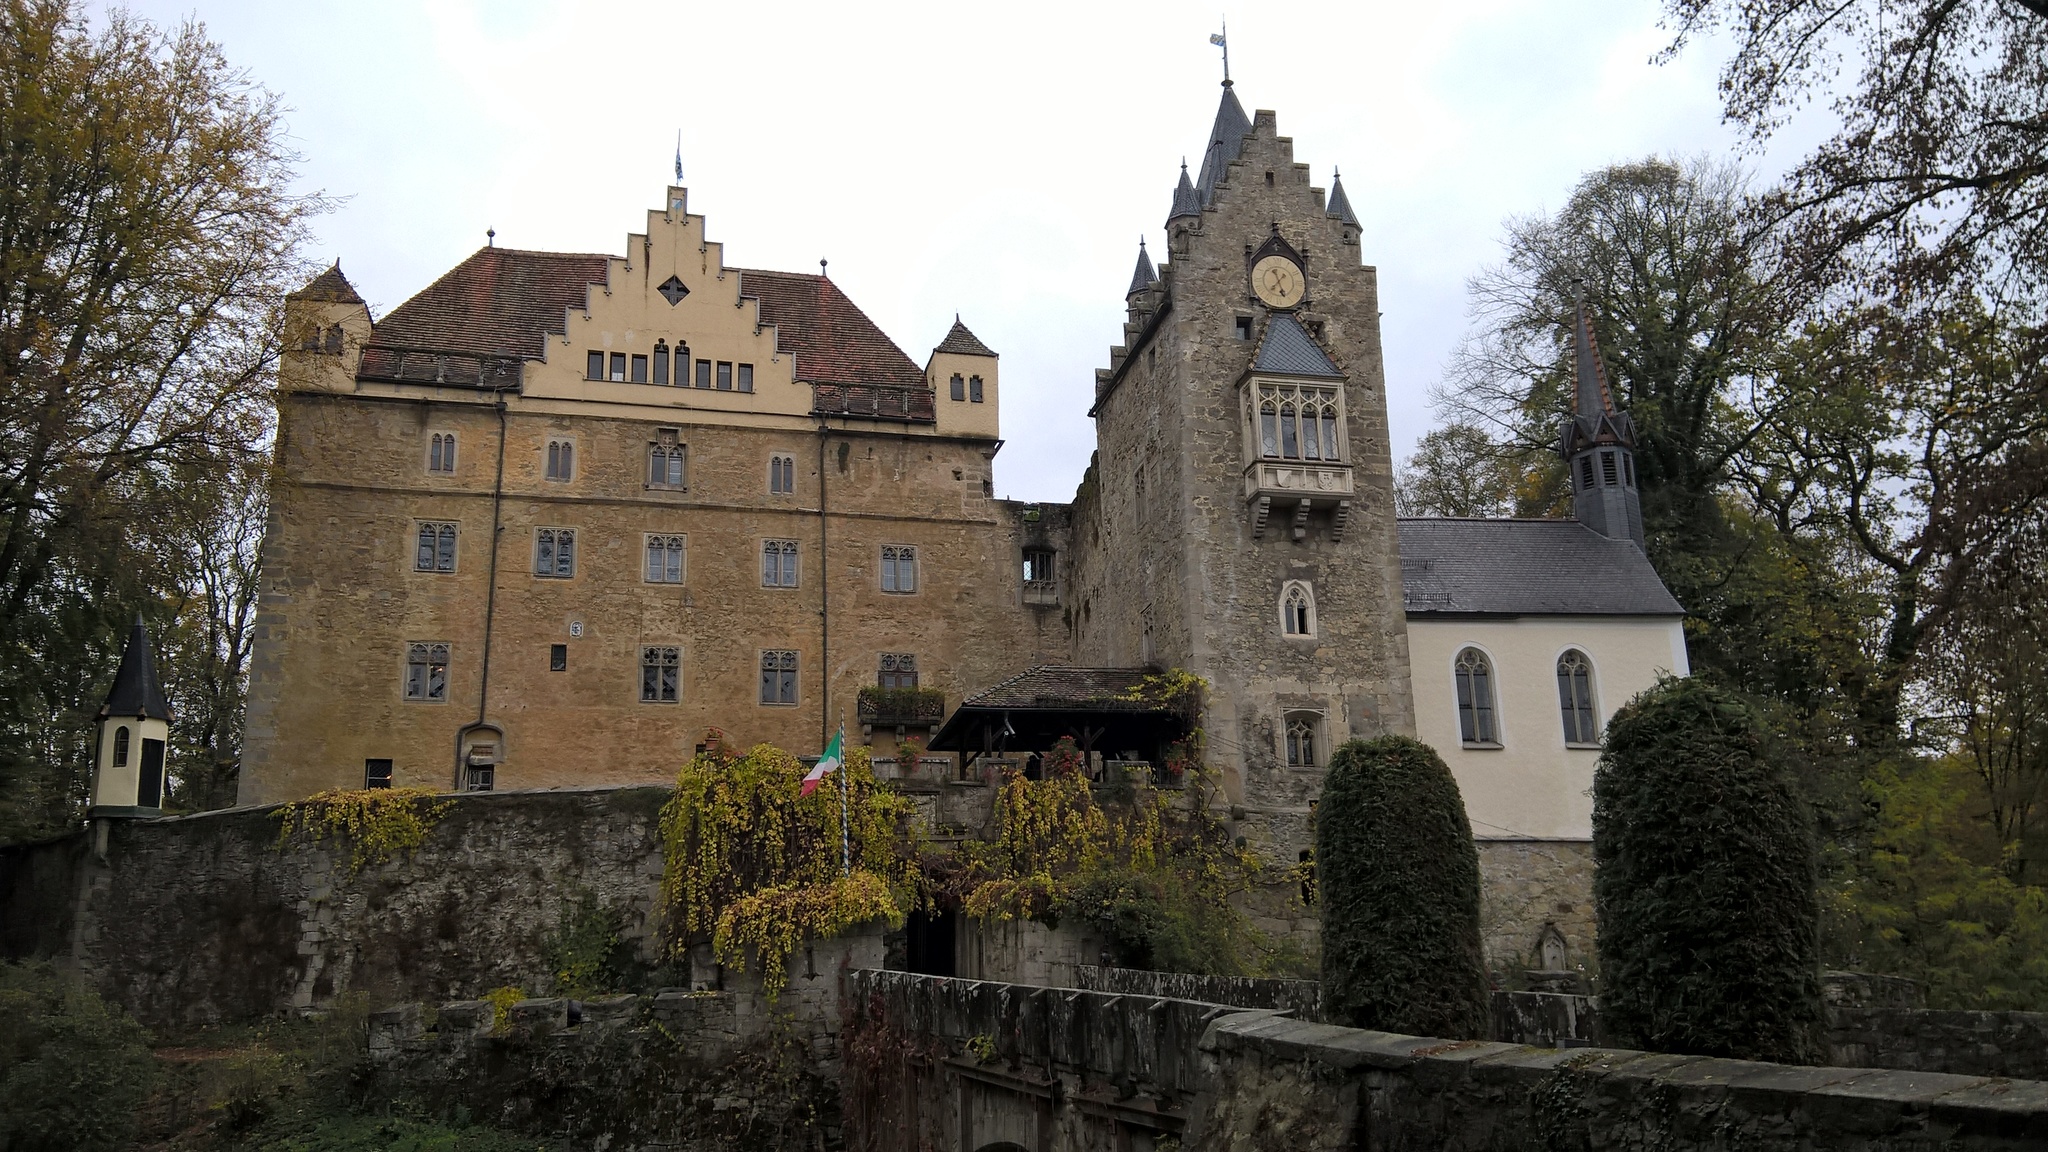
(1154, 872)
(754, 867)
(378, 823)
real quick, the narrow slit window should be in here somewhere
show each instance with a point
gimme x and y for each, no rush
(1474, 675)
(660, 363)
(665, 559)
(1628, 464)
(121, 746)
(561, 460)
(1585, 472)
(661, 674)
(1610, 474)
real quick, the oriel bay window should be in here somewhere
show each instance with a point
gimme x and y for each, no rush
(1299, 421)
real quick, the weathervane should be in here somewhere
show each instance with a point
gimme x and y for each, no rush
(1222, 40)
(679, 156)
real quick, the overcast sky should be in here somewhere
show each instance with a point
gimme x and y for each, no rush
(999, 161)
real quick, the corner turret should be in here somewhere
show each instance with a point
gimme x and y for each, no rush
(1340, 204)
(1187, 205)
(1598, 444)
(134, 730)
(326, 325)
(962, 376)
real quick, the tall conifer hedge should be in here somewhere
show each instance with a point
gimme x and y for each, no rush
(1398, 878)
(1705, 882)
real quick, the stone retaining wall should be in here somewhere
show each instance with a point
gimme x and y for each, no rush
(1303, 998)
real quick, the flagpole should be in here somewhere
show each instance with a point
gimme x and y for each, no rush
(845, 835)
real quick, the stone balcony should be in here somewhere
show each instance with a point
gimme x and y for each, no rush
(900, 708)
(1294, 488)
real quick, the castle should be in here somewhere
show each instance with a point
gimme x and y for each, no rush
(558, 514)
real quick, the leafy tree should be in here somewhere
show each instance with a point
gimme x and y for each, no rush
(72, 1069)
(147, 236)
(1705, 881)
(1457, 471)
(1398, 880)
(1936, 176)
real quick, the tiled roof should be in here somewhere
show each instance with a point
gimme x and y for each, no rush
(499, 302)
(137, 691)
(330, 286)
(963, 342)
(1061, 686)
(1525, 568)
(1290, 350)
(833, 341)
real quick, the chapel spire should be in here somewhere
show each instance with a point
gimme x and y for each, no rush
(1598, 443)
(1143, 276)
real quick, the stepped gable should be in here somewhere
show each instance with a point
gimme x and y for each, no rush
(499, 302)
(960, 341)
(1525, 567)
(832, 340)
(329, 287)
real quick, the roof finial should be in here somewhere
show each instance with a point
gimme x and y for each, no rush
(490, 241)
(679, 156)
(821, 268)
(1222, 40)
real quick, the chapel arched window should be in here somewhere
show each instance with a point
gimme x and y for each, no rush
(1575, 698)
(1476, 719)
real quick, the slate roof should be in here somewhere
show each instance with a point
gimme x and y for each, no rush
(1062, 687)
(833, 341)
(962, 342)
(136, 690)
(1226, 140)
(330, 286)
(1186, 201)
(1143, 276)
(1340, 204)
(1288, 349)
(499, 302)
(1525, 568)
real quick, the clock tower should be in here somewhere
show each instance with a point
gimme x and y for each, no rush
(1241, 500)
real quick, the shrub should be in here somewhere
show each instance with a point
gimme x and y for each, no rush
(1398, 877)
(1705, 872)
(73, 1070)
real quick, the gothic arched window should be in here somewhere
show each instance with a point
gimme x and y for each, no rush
(1301, 739)
(1575, 698)
(1297, 610)
(1474, 674)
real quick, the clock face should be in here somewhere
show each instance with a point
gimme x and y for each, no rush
(1278, 282)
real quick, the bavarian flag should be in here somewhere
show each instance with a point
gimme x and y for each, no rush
(827, 763)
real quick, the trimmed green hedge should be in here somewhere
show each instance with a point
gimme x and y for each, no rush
(1705, 872)
(1398, 879)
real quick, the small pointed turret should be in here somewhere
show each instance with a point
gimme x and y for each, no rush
(1186, 201)
(134, 729)
(1143, 276)
(1340, 204)
(1598, 443)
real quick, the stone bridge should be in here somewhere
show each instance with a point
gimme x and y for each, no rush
(936, 1063)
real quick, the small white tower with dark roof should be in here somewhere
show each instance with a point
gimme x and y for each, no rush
(134, 730)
